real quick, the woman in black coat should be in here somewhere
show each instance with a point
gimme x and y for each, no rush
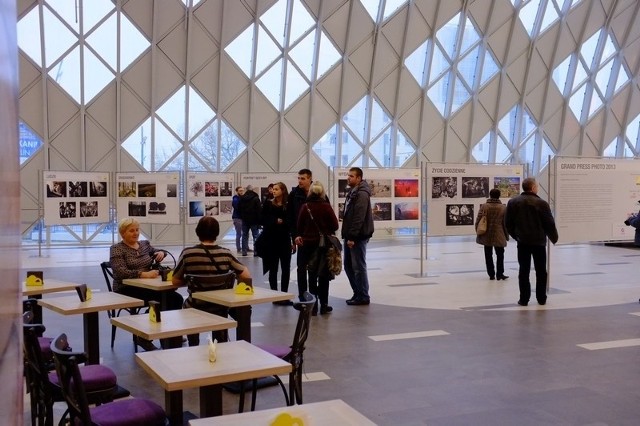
(496, 236)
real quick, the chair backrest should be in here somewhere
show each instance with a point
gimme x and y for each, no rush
(36, 369)
(196, 283)
(301, 334)
(70, 379)
(108, 274)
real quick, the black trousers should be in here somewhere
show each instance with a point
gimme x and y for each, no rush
(488, 259)
(539, 254)
(318, 286)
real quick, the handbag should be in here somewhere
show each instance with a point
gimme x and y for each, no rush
(482, 225)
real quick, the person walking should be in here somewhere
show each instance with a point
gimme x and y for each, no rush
(275, 232)
(357, 229)
(495, 237)
(250, 208)
(296, 199)
(316, 218)
(634, 220)
(529, 221)
(235, 216)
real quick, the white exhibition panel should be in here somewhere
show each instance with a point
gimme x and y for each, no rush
(455, 192)
(261, 181)
(395, 196)
(72, 198)
(594, 196)
(148, 197)
(209, 194)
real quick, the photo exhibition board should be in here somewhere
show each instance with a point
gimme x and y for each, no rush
(209, 194)
(455, 192)
(148, 197)
(593, 198)
(261, 181)
(72, 198)
(395, 196)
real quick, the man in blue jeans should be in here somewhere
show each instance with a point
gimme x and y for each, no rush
(249, 207)
(357, 229)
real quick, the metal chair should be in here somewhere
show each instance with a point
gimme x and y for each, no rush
(197, 283)
(44, 388)
(293, 354)
(107, 271)
(130, 411)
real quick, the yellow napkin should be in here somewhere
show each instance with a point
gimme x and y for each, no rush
(34, 280)
(243, 288)
(286, 419)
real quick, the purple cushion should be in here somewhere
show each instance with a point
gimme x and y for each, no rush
(128, 412)
(45, 348)
(276, 350)
(94, 377)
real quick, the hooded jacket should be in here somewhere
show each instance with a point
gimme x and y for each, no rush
(357, 223)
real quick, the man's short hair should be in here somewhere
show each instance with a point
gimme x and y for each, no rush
(494, 193)
(305, 172)
(528, 184)
(208, 229)
(357, 171)
(249, 188)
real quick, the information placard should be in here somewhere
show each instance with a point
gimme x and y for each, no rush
(72, 198)
(209, 194)
(261, 181)
(455, 192)
(148, 197)
(395, 196)
(594, 196)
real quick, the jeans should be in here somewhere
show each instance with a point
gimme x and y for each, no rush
(539, 254)
(488, 259)
(237, 225)
(245, 236)
(355, 266)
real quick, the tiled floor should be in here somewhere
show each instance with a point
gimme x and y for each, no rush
(445, 347)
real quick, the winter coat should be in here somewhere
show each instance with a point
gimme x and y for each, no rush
(250, 208)
(496, 235)
(529, 220)
(635, 222)
(357, 223)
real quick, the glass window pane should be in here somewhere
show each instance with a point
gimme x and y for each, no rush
(439, 64)
(576, 101)
(274, 18)
(68, 11)
(528, 15)
(232, 146)
(546, 152)
(29, 35)
(351, 150)
(507, 126)
(67, 74)
(93, 11)
(379, 120)
(603, 77)
(103, 40)
(480, 151)
(206, 147)
(301, 21)
(489, 67)
(528, 125)
(329, 55)
(326, 147)
(391, 6)
(96, 75)
(623, 77)
(550, 16)
(270, 84)
(468, 65)
(503, 151)
(57, 38)
(415, 63)
(372, 7)
(240, 50)
(405, 149)
(381, 149)
(29, 143)
(165, 145)
(302, 54)
(610, 150)
(588, 49)
(296, 85)
(132, 42)
(560, 74)
(448, 35)
(138, 144)
(460, 94)
(200, 113)
(173, 111)
(438, 93)
(470, 36)
(632, 130)
(609, 49)
(355, 119)
(596, 102)
(580, 76)
(267, 50)
(628, 152)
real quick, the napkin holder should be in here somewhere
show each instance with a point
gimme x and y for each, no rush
(212, 349)
(154, 311)
(84, 293)
(243, 288)
(34, 278)
(286, 419)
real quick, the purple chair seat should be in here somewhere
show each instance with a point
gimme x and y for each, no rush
(128, 412)
(276, 350)
(45, 348)
(94, 377)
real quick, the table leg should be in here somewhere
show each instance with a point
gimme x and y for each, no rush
(173, 407)
(210, 401)
(91, 337)
(243, 330)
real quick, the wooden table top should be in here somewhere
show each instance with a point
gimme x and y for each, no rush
(229, 298)
(69, 305)
(50, 286)
(150, 283)
(189, 367)
(334, 412)
(173, 324)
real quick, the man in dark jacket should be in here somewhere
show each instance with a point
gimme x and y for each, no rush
(530, 222)
(357, 229)
(249, 208)
(297, 197)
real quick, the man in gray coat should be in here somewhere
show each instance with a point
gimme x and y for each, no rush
(357, 229)
(530, 222)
